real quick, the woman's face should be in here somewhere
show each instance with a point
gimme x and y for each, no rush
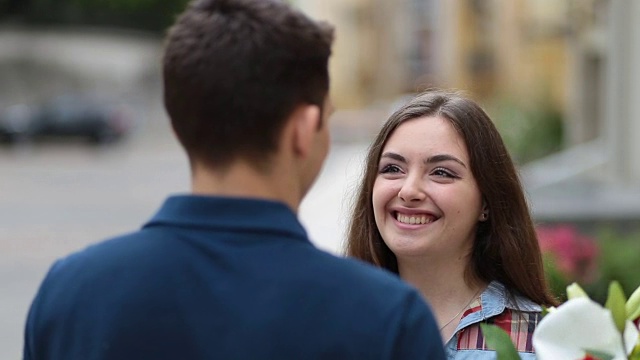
(425, 198)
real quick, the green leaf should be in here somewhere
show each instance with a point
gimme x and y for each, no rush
(575, 291)
(616, 304)
(498, 340)
(547, 310)
(633, 305)
(635, 354)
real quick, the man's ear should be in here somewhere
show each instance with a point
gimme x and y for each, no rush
(306, 124)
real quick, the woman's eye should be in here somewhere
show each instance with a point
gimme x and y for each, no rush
(389, 169)
(440, 172)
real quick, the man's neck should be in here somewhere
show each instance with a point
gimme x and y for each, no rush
(243, 180)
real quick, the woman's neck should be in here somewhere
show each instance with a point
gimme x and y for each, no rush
(444, 286)
(436, 279)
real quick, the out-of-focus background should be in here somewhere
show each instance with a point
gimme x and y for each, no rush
(86, 151)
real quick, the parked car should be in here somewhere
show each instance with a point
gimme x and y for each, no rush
(97, 119)
(15, 122)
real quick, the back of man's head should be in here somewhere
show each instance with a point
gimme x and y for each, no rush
(233, 72)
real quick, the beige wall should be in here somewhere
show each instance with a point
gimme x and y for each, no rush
(367, 63)
(513, 47)
(351, 46)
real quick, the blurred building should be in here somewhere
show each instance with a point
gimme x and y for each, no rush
(491, 47)
(576, 56)
(372, 53)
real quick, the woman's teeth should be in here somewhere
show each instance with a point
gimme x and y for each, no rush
(414, 219)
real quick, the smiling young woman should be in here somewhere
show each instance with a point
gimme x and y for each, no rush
(441, 205)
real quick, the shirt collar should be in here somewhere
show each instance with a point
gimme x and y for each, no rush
(493, 301)
(228, 213)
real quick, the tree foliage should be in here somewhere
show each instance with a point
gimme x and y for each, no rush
(153, 15)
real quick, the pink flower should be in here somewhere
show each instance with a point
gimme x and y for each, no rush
(575, 255)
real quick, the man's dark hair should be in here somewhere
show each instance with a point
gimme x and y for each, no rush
(234, 70)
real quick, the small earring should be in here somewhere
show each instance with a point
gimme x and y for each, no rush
(485, 216)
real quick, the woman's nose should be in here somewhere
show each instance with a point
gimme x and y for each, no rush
(412, 190)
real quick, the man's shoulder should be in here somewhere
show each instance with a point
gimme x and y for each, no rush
(358, 280)
(134, 249)
(379, 301)
(352, 270)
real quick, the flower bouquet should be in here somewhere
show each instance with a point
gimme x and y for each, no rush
(581, 329)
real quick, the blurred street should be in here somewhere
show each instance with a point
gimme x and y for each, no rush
(58, 198)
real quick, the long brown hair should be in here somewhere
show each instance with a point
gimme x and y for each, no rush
(506, 247)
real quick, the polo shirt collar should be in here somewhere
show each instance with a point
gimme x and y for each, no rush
(228, 213)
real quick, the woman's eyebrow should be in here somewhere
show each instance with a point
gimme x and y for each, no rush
(393, 156)
(444, 157)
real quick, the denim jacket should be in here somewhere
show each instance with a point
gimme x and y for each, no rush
(495, 306)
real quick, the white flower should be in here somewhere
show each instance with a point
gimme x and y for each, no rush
(580, 325)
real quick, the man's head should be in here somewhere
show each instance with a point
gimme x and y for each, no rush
(235, 71)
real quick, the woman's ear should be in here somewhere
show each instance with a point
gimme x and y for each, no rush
(484, 214)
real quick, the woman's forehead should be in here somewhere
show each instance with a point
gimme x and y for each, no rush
(426, 134)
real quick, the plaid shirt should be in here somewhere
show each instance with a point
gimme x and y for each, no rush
(495, 307)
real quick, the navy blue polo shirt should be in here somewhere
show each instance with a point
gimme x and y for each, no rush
(224, 278)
